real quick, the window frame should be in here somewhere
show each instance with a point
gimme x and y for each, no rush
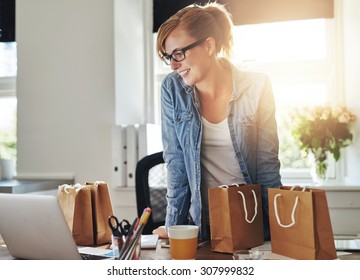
(7, 86)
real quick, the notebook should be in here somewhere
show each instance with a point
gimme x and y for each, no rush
(33, 227)
(149, 241)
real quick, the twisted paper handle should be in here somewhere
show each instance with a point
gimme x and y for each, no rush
(67, 187)
(293, 210)
(245, 208)
(244, 202)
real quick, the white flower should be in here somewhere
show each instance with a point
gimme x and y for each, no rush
(344, 117)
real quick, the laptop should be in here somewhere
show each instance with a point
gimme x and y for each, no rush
(347, 244)
(33, 227)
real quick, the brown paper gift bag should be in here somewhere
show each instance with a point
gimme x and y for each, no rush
(236, 220)
(75, 202)
(300, 224)
(101, 210)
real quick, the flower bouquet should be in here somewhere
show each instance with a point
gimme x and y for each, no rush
(322, 130)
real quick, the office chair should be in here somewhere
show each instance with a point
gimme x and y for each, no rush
(150, 187)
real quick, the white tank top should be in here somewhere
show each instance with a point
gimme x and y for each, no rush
(219, 165)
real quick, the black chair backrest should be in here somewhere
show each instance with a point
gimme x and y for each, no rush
(150, 185)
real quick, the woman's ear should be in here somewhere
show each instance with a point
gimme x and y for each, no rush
(210, 46)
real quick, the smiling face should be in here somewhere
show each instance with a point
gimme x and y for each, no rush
(194, 67)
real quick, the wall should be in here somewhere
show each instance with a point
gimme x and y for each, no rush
(65, 88)
(133, 66)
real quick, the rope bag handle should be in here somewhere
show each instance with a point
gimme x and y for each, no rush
(244, 202)
(292, 212)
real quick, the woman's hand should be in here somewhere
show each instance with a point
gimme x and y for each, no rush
(161, 232)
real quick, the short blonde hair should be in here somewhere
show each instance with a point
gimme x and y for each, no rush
(210, 20)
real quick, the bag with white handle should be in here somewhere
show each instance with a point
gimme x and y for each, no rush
(76, 205)
(300, 224)
(236, 217)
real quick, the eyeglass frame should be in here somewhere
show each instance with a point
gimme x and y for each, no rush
(168, 57)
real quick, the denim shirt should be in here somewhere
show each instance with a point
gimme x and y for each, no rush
(253, 130)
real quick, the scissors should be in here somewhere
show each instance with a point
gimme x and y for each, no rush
(119, 229)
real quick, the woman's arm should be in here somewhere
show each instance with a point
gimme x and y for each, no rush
(178, 191)
(268, 164)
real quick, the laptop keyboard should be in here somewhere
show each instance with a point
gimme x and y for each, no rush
(93, 257)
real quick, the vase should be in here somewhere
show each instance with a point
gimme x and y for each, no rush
(319, 167)
(7, 169)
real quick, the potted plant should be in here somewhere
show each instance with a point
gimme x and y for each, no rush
(322, 130)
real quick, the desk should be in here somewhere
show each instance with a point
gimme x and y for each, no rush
(204, 253)
(26, 186)
(159, 253)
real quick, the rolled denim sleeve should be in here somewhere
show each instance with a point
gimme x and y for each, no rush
(268, 164)
(178, 190)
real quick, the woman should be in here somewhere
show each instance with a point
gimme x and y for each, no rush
(218, 123)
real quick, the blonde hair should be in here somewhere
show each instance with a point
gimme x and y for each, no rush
(210, 20)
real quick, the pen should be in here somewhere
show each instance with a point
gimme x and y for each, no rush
(134, 240)
(202, 244)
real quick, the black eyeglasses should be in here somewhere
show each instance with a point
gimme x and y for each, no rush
(179, 55)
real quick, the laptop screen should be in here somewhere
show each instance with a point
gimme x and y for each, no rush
(33, 227)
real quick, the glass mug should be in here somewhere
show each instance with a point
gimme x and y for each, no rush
(247, 255)
(183, 241)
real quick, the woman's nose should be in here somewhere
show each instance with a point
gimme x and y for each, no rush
(174, 64)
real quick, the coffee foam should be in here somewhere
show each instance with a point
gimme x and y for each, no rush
(183, 231)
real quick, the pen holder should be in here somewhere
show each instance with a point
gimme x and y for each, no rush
(137, 251)
(117, 244)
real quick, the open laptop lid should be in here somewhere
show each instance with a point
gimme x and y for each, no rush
(347, 244)
(33, 227)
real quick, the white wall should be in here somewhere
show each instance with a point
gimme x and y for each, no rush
(65, 88)
(133, 81)
(351, 25)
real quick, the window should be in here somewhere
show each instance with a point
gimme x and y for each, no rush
(8, 59)
(8, 102)
(299, 57)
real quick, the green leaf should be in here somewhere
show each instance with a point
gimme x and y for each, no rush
(336, 153)
(315, 143)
